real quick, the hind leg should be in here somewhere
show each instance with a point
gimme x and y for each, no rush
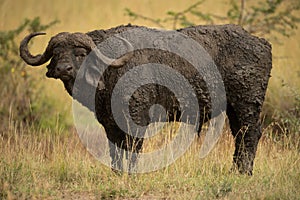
(245, 127)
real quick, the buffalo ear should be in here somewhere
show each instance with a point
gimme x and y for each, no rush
(94, 80)
(93, 70)
(92, 75)
(50, 72)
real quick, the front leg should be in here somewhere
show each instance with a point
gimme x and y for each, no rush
(116, 155)
(121, 144)
(117, 141)
(134, 146)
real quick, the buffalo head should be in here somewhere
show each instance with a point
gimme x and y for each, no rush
(67, 52)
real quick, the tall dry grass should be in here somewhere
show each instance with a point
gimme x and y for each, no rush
(55, 165)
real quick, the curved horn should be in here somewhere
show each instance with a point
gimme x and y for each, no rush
(119, 61)
(31, 59)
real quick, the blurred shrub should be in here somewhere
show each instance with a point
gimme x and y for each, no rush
(23, 99)
(263, 17)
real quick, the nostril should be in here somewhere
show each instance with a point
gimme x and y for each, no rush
(69, 68)
(58, 68)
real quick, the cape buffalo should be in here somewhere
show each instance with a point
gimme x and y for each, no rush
(243, 60)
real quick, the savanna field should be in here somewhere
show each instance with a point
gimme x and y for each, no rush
(41, 156)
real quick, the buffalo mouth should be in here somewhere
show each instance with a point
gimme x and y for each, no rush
(65, 77)
(62, 76)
